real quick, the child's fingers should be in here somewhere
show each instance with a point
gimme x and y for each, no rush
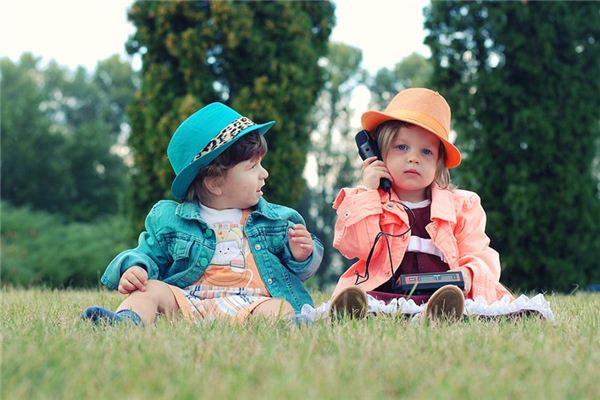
(125, 287)
(302, 241)
(141, 275)
(299, 234)
(136, 282)
(376, 165)
(380, 169)
(298, 228)
(368, 161)
(385, 174)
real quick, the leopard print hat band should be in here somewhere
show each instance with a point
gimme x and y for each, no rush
(225, 135)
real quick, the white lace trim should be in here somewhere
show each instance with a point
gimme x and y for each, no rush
(477, 307)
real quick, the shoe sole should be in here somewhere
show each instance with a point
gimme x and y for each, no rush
(350, 303)
(447, 303)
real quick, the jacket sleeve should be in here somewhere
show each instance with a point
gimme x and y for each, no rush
(474, 253)
(358, 213)
(307, 268)
(149, 254)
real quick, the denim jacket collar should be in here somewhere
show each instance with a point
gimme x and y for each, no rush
(265, 209)
(188, 210)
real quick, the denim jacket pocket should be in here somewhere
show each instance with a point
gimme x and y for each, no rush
(275, 237)
(181, 251)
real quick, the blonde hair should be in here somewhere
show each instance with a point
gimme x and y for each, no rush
(385, 134)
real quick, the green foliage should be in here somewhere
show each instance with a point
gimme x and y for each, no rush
(412, 71)
(523, 80)
(48, 353)
(334, 152)
(259, 57)
(58, 129)
(27, 141)
(43, 249)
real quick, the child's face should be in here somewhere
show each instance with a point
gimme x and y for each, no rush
(242, 184)
(412, 161)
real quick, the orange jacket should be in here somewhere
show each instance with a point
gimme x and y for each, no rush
(457, 228)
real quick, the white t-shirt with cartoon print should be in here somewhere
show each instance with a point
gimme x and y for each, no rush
(232, 264)
(231, 286)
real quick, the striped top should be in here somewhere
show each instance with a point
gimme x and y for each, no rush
(422, 256)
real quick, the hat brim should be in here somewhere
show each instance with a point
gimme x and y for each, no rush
(184, 179)
(372, 119)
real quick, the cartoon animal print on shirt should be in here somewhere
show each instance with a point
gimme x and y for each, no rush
(228, 265)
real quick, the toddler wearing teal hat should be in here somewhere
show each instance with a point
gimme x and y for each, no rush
(223, 252)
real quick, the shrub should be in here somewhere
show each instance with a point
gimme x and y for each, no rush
(42, 249)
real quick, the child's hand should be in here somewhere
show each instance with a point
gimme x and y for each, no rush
(467, 278)
(373, 171)
(300, 241)
(135, 278)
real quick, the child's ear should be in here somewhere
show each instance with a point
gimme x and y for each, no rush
(213, 185)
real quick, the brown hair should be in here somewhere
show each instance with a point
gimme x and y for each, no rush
(385, 134)
(251, 146)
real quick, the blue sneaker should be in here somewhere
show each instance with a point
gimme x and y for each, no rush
(99, 315)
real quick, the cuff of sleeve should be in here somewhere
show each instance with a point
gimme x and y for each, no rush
(467, 272)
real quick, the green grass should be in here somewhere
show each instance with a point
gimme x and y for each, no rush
(47, 353)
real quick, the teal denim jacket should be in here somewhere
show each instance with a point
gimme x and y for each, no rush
(178, 245)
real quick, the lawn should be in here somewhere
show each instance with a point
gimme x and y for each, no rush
(48, 353)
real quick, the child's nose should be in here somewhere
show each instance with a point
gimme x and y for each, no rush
(265, 173)
(413, 157)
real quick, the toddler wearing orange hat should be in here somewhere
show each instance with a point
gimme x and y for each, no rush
(422, 224)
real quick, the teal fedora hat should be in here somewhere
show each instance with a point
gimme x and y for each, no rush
(202, 137)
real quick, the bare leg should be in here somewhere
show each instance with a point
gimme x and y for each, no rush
(274, 308)
(157, 298)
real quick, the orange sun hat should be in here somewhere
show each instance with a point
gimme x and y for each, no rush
(421, 107)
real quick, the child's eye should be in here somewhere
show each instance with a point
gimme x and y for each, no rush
(255, 165)
(427, 152)
(402, 147)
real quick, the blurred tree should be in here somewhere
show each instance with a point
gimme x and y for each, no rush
(58, 129)
(412, 71)
(333, 151)
(523, 80)
(259, 57)
(32, 154)
(117, 83)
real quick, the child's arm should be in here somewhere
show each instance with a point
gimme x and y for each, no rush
(478, 261)
(357, 224)
(148, 255)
